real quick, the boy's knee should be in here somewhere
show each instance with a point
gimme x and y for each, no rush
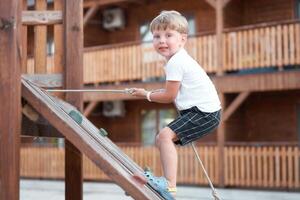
(165, 135)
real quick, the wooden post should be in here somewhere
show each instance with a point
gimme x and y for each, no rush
(73, 76)
(221, 138)
(10, 101)
(219, 35)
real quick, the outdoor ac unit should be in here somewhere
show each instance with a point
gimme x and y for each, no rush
(113, 19)
(113, 108)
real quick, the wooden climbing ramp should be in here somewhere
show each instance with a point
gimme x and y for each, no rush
(88, 139)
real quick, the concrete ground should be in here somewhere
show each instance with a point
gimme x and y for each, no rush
(54, 190)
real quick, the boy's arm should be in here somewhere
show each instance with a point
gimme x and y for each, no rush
(166, 95)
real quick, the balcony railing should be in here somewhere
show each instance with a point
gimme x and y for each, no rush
(264, 166)
(259, 46)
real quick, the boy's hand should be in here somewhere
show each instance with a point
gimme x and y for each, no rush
(138, 92)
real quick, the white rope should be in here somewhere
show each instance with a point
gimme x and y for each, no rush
(126, 91)
(214, 192)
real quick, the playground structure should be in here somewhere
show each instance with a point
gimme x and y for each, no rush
(67, 22)
(68, 31)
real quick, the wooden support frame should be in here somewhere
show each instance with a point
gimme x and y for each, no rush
(91, 3)
(41, 17)
(91, 106)
(89, 14)
(10, 101)
(102, 157)
(73, 77)
(235, 105)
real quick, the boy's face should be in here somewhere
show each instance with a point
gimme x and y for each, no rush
(168, 42)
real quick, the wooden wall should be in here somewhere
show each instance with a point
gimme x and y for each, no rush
(128, 128)
(237, 13)
(268, 116)
(257, 11)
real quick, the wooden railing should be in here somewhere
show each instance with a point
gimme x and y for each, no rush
(245, 166)
(257, 46)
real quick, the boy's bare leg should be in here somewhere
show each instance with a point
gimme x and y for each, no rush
(168, 154)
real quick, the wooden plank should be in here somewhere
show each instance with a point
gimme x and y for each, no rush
(91, 3)
(58, 41)
(41, 17)
(73, 76)
(83, 141)
(297, 40)
(258, 82)
(24, 42)
(10, 101)
(45, 80)
(40, 42)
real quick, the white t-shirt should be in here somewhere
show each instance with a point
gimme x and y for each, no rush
(196, 88)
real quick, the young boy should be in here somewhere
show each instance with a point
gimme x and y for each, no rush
(188, 86)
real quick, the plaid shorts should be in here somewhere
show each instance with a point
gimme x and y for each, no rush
(193, 124)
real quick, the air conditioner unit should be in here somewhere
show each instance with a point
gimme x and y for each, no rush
(113, 108)
(113, 18)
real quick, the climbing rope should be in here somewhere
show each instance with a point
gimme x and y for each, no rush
(214, 192)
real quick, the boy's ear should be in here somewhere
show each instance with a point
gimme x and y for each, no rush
(184, 38)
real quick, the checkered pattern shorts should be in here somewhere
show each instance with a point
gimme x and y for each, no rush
(193, 124)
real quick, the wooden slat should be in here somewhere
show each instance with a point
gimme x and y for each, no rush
(41, 17)
(10, 101)
(24, 42)
(40, 42)
(58, 41)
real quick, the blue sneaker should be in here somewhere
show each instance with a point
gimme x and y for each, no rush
(160, 184)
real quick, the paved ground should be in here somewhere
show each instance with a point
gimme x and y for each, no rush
(54, 190)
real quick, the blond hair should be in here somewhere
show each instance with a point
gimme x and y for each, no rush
(170, 19)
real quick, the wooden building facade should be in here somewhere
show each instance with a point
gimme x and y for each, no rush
(250, 49)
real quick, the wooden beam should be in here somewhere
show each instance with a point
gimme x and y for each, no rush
(212, 3)
(258, 82)
(41, 17)
(235, 105)
(73, 76)
(89, 14)
(92, 3)
(10, 101)
(91, 106)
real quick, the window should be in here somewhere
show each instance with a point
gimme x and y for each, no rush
(153, 121)
(146, 35)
